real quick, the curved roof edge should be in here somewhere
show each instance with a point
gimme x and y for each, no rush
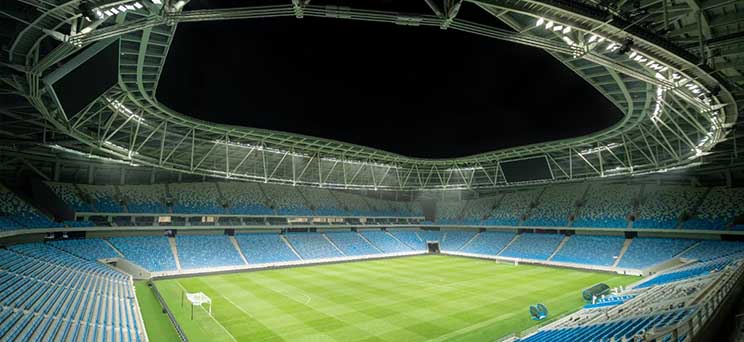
(676, 112)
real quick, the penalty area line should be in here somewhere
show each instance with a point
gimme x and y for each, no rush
(210, 316)
(238, 307)
(287, 294)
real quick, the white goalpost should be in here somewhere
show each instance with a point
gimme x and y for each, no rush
(196, 299)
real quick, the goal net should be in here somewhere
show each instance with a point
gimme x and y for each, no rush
(197, 299)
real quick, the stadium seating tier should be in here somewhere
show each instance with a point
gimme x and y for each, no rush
(647, 252)
(533, 246)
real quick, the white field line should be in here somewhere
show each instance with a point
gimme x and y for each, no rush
(325, 313)
(239, 307)
(287, 294)
(210, 316)
(472, 327)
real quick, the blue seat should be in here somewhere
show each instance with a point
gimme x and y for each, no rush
(351, 244)
(47, 283)
(606, 331)
(263, 248)
(712, 249)
(202, 251)
(646, 252)
(488, 243)
(453, 240)
(90, 249)
(384, 241)
(410, 238)
(590, 250)
(151, 252)
(533, 246)
(312, 246)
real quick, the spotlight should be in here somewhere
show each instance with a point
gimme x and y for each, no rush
(625, 46)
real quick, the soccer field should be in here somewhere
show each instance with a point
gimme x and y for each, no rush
(423, 298)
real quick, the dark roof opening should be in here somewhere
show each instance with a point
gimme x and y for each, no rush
(416, 91)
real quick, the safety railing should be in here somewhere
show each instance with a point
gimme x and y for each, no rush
(172, 318)
(708, 306)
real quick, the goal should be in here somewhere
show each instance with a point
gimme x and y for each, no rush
(196, 299)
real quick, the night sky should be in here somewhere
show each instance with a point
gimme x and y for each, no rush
(420, 92)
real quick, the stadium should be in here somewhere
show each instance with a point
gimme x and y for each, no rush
(134, 209)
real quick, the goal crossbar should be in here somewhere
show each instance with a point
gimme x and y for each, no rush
(196, 299)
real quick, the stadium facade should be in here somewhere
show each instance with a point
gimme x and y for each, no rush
(119, 187)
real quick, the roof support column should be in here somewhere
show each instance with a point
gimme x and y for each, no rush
(57, 171)
(91, 173)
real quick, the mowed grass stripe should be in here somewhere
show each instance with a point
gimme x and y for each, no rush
(310, 320)
(423, 298)
(157, 324)
(339, 304)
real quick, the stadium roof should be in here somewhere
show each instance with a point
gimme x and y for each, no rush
(678, 83)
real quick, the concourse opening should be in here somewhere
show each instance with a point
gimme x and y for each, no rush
(433, 246)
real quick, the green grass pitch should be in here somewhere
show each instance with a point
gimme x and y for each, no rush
(423, 298)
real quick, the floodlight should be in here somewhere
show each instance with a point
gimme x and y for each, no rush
(179, 5)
